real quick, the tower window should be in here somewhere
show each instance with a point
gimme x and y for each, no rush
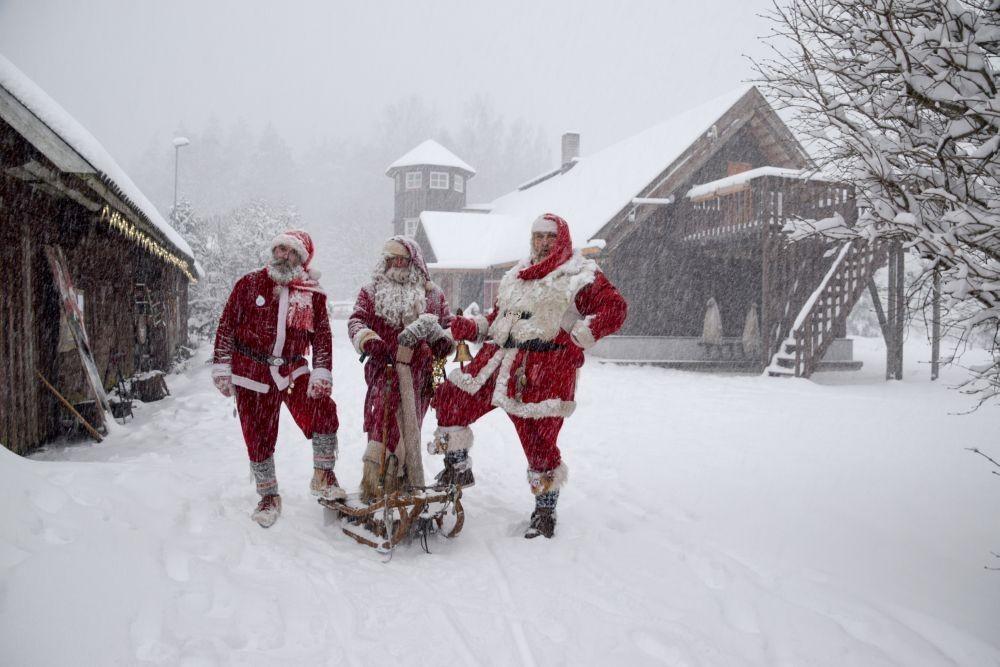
(399, 182)
(459, 183)
(439, 180)
(410, 226)
(414, 179)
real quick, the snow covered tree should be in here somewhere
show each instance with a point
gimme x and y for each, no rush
(899, 98)
(227, 247)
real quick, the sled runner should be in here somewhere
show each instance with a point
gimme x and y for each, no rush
(415, 512)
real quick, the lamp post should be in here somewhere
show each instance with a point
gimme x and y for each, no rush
(179, 142)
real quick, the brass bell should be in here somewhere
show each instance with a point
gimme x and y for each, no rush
(462, 354)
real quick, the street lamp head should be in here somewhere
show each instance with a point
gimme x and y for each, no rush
(181, 141)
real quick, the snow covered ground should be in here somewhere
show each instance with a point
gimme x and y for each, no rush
(709, 520)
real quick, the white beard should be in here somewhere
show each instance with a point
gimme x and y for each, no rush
(399, 303)
(283, 273)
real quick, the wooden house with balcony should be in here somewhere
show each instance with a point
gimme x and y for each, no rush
(689, 210)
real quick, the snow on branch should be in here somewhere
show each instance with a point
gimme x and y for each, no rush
(900, 99)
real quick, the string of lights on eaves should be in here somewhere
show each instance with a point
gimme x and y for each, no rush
(126, 228)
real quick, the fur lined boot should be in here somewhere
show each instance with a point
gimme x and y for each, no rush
(324, 482)
(543, 519)
(373, 485)
(454, 442)
(269, 506)
(268, 510)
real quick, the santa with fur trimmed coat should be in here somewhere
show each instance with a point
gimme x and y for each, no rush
(399, 324)
(549, 309)
(272, 318)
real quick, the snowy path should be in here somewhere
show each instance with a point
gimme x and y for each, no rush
(709, 520)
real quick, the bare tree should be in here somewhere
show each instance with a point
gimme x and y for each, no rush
(899, 98)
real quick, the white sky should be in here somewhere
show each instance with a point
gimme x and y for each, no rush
(128, 69)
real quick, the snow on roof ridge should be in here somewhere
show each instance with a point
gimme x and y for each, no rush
(431, 153)
(64, 125)
(710, 188)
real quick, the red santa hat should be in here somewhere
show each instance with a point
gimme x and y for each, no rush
(299, 241)
(562, 250)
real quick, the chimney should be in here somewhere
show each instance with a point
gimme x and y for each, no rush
(570, 147)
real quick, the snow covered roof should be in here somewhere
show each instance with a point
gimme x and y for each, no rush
(69, 130)
(738, 181)
(588, 194)
(430, 153)
(498, 239)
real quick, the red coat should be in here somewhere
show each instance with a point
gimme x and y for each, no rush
(535, 337)
(363, 325)
(255, 319)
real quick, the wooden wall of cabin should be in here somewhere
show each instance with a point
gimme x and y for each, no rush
(668, 283)
(744, 148)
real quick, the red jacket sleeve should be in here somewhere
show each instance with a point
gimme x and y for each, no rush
(322, 338)
(228, 323)
(603, 309)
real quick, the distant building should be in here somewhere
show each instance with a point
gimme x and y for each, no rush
(428, 178)
(683, 212)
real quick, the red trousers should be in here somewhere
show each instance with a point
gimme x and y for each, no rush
(259, 416)
(538, 436)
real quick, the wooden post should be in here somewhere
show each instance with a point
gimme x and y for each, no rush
(69, 406)
(900, 308)
(890, 332)
(935, 323)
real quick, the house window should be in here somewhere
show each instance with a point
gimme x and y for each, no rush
(490, 288)
(413, 180)
(439, 180)
(459, 183)
(410, 227)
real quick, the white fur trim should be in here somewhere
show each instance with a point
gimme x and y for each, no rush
(362, 337)
(319, 374)
(546, 301)
(298, 372)
(482, 327)
(394, 248)
(546, 481)
(454, 438)
(471, 384)
(221, 370)
(293, 243)
(279, 340)
(543, 224)
(582, 335)
(252, 385)
(550, 407)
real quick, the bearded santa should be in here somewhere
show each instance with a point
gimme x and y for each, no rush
(399, 325)
(550, 307)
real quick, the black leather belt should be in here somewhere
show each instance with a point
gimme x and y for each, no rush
(268, 359)
(533, 345)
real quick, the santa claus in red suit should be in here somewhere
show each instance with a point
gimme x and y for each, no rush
(549, 309)
(398, 324)
(273, 317)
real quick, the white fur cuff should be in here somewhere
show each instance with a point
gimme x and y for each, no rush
(546, 481)
(582, 335)
(482, 327)
(362, 337)
(221, 370)
(452, 439)
(320, 374)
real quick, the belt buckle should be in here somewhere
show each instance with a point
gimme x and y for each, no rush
(277, 361)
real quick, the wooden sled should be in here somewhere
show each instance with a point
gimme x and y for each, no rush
(412, 513)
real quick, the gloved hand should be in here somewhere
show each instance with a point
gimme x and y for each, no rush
(319, 388)
(464, 328)
(224, 383)
(425, 327)
(376, 348)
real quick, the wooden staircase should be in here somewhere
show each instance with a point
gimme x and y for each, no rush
(826, 310)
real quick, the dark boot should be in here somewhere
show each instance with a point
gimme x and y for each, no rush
(457, 470)
(543, 522)
(543, 519)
